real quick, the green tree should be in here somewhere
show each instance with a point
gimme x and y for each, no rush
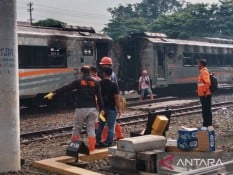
(151, 9)
(137, 17)
(49, 23)
(119, 28)
(224, 19)
(195, 20)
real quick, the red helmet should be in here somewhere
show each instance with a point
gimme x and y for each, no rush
(106, 60)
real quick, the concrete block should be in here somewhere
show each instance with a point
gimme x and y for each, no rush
(148, 155)
(141, 143)
(120, 163)
(149, 159)
(125, 154)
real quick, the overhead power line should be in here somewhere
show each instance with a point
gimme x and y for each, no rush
(40, 11)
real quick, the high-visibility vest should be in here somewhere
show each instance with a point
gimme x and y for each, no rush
(203, 84)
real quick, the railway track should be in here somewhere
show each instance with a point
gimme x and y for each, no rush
(137, 102)
(127, 120)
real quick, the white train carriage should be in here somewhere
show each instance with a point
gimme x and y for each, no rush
(171, 63)
(51, 57)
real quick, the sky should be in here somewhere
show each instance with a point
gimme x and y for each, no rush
(89, 13)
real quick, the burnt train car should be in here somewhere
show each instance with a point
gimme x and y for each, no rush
(171, 63)
(52, 57)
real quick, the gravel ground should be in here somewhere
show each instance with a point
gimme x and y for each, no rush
(222, 121)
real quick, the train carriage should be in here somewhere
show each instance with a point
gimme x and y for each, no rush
(171, 63)
(52, 57)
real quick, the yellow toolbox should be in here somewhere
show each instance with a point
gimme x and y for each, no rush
(159, 125)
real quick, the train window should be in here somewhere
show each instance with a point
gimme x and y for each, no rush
(220, 50)
(214, 60)
(204, 49)
(196, 58)
(187, 59)
(57, 57)
(221, 60)
(40, 57)
(229, 60)
(32, 56)
(87, 48)
(208, 59)
(87, 52)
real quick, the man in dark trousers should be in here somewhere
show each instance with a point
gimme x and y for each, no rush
(88, 90)
(107, 62)
(203, 91)
(112, 110)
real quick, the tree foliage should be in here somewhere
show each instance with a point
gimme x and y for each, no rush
(194, 20)
(177, 20)
(49, 23)
(137, 17)
(224, 19)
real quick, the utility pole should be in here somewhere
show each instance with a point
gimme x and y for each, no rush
(9, 89)
(30, 11)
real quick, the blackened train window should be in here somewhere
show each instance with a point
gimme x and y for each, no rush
(57, 57)
(87, 51)
(87, 48)
(32, 56)
(41, 57)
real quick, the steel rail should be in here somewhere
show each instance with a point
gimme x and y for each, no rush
(127, 120)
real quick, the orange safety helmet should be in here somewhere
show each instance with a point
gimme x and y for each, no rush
(106, 60)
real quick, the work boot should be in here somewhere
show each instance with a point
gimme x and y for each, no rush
(119, 132)
(104, 134)
(91, 142)
(75, 138)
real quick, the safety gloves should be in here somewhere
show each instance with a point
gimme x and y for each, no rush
(102, 116)
(49, 96)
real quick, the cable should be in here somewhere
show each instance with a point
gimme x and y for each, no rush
(68, 12)
(44, 11)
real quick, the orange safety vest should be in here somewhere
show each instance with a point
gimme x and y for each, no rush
(203, 84)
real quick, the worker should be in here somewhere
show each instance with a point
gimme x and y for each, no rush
(144, 85)
(107, 62)
(88, 91)
(94, 73)
(204, 93)
(112, 109)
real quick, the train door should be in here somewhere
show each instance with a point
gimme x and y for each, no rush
(161, 66)
(102, 49)
(131, 65)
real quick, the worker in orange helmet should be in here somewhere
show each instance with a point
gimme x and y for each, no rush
(107, 62)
